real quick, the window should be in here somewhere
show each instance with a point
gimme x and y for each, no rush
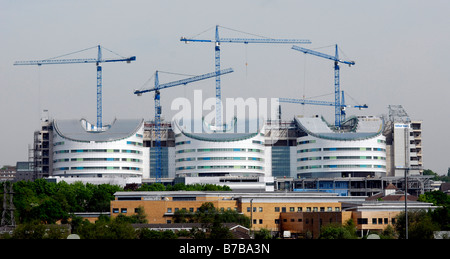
(292, 209)
(386, 221)
(322, 209)
(260, 221)
(260, 209)
(277, 209)
(248, 209)
(283, 209)
(374, 221)
(308, 209)
(299, 209)
(169, 210)
(362, 221)
(123, 210)
(115, 210)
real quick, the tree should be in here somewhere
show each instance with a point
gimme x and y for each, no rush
(211, 220)
(438, 177)
(388, 233)
(438, 198)
(36, 230)
(420, 225)
(338, 231)
(441, 215)
(263, 233)
(106, 228)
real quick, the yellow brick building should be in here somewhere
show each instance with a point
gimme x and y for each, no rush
(264, 209)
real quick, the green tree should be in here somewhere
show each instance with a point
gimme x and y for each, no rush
(420, 225)
(182, 216)
(438, 198)
(29, 230)
(211, 220)
(106, 228)
(102, 195)
(388, 233)
(441, 215)
(152, 187)
(338, 231)
(263, 234)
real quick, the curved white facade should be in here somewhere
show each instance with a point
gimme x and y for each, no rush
(219, 154)
(324, 153)
(115, 152)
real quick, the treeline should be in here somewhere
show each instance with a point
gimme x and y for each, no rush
(421, 223)
(121, 227)
(176, 187)
(51, 202)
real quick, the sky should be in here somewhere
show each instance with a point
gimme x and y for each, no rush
(400, 48)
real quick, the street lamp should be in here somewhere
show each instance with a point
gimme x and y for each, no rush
(406, 169)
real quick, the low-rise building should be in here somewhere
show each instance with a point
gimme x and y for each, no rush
(298, 213)
(264, 209)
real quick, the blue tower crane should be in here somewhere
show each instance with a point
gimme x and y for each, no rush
(339, 113)
(97, 61)
(325, 103)
(158, 109)
(217, 42)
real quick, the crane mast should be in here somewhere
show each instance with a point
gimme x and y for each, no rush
(339, 105)
(97, 61)
(217, 42)
(158, 110)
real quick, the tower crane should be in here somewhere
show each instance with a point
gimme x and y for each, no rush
(158, 109)
(339, 113)
(217, 42)
(325, 103)
(97, 61)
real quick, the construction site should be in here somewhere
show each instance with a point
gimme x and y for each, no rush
(355, 155)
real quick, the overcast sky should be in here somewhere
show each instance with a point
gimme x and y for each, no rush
(401, 50)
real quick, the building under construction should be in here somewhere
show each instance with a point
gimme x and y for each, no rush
(300, 154)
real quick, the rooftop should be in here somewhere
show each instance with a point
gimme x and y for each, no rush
(362, 127)
(78, 130)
